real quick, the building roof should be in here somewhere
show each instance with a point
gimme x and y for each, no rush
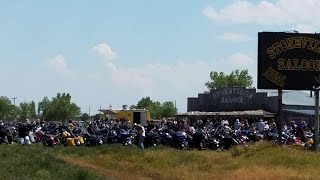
(293, 97)
(107, 111)
(110, 111)
(302, 112)
(231, 113)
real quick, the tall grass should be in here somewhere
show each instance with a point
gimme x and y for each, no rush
(37, 162)
(261, 161)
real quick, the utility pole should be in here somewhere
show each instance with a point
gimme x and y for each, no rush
(100, 113)
(316, 132)
(14, 101)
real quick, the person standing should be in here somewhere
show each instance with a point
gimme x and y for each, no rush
(260, 126)
(191, 129)
(150, 126)
(141, 136)
(237, 124)
(164, 124)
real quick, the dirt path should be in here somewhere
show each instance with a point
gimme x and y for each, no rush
(101, 170)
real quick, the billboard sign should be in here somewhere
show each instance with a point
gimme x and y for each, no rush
(288, 61)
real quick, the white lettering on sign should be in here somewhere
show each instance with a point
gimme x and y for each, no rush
(231, 100)
(231, 92)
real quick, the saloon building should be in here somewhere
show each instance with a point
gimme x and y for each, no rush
(237, 101)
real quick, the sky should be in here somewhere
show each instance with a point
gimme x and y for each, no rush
(116, 52)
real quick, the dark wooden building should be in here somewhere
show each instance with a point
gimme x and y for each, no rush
(232, 99)
(297, 105)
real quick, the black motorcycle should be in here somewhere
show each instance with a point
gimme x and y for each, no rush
(152, 139)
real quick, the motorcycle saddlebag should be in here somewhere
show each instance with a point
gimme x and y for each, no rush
(80, 139)
(71, 142)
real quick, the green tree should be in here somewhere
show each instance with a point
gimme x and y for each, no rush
(85, 117)
(157, 109)
(59, 108)
(146, 103)
(44, 107)
(168, 109)
(133, 107)
(97, 116)
(25, 110)
(33, 111)
(236, 78)
(7, 110)
(14, 113)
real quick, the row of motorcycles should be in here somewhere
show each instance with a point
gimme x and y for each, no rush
(221, 137)
(212, 137)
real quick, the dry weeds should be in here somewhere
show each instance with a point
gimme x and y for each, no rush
(262, 161)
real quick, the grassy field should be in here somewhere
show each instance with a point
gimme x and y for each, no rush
(37, 162)
(261, 161)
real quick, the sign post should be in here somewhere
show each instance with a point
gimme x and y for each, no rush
(279, 119)
(316, 132)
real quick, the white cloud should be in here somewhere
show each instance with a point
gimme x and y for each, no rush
(210, 12)
(59, 63)
(239, 59)
(105, 50)
(151, 79)
(112, 67)
(130, 77)
(236, 37)
(279, 12)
